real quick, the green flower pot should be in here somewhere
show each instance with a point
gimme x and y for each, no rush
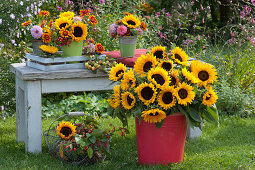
(127, 46)
(74, 49)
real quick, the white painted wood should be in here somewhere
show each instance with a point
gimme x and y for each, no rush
(33, 116)
(71, 85)
(194, 132)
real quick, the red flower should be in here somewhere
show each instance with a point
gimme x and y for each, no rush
(84, 12)
(99, 48)
(92, 20)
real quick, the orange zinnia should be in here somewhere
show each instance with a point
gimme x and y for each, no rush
(92, 20)
(46, 37)
(44, 13)
(26, 23)
(84, 12)
(99, 48)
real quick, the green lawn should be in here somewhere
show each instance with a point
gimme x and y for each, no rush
(231, 146)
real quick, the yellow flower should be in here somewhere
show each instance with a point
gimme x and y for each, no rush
(128, 79)
(49, 49)
(46, 37)
(79, 31)
(180, 56)
(144, 63)
(184, 94)
(128, 100)
(117, 72)
(166, 97)
(67, 14)
(167, 65)
(64, 33)
(204, 72)
(66, 130)
(159, 52)
(115, 101)
(153, 115)
(174, 80)
(209, 98)
(146, 93)
(158, 76)
(131, 21)
(189, 76)
(63, 23)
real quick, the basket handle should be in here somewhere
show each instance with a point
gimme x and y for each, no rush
(76, 114)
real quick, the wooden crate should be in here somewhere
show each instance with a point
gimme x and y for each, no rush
(57, 63)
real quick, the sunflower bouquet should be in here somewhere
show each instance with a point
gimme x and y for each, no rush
(129, 25)
(160, 85)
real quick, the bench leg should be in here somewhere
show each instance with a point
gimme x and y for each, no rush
(33, 116)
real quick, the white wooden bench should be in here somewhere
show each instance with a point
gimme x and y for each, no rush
(31, 83)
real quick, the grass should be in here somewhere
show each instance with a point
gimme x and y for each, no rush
(231, 146)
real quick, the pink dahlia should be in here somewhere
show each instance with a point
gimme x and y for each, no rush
(36, 31)
(121, 30)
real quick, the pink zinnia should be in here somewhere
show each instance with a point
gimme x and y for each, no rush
(121, 30)
(253, 2)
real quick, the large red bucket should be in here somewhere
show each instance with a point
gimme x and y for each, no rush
(164, 145)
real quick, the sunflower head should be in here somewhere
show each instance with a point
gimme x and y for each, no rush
(209, 98)
(159, 77)
(79, 31)
(116, 72)
(174, 80)
(144, 63)
(180, 56)
(146, 93)
(63, 23)
(128, 100)
(159, 52)
(67, 14)
(167, 65)
(131, 21)
(166, 98)
(115, 101)
(153, 115)
(66, 130)
(185, 94)
(189, 76)
(128, 80)
(49, 49)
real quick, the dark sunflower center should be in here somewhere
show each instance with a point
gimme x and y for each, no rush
(159, 54)
(63, 25)
(167, 98)
(147, 66)
(130, 22)
(66, 131)
(147, 93)
(156, 114)
(158, 78)
(203, 75)
(207, 98)
(167, 66)
(77, 32)
(119, 72)
(178, 57)
(183, 93)
(173, 80)
(129, 100)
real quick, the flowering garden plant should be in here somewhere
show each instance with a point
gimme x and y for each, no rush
(160, 85)
(129, 25)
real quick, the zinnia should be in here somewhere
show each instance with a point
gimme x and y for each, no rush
(36, 31)
(121, 30)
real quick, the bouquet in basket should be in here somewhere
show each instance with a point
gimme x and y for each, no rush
(160, 85)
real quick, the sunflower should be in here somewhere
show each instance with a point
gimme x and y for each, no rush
(159, 52)
(128, 100)
(167, 65)
(92, 19)
(63, 23)
(79, 31)
(66, 130)
(128, 79)
(144, 63)
(64, 33)
(153, 115)
(209, 98)
(204, 72)
(49, 49)
(185, 94)
(174, 80)
(189, 76)
(26, 23)
(67, 14)
(116, 72)
(115, 101)
(46, 37)
(131, 21)
(158, 76)
(179, 56)
(166, 98)
(146, 93)
(99, 48)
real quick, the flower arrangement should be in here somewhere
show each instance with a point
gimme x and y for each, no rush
(82, 142)
(129, 25)
(160, 85)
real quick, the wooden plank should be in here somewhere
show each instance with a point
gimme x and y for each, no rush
(55, 67)
(71, 85)
(33, 112)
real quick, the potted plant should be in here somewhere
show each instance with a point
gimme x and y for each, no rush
(163, 94)
(127, 29)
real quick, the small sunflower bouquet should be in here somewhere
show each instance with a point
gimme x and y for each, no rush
(160, 85)
(129, 25)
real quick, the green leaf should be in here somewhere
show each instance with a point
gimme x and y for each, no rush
(78, 139)
(159, 124)
(92, 139)
(97, 132)
(90, 152)
(211, 114)
(194, 114)
(188, 118)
